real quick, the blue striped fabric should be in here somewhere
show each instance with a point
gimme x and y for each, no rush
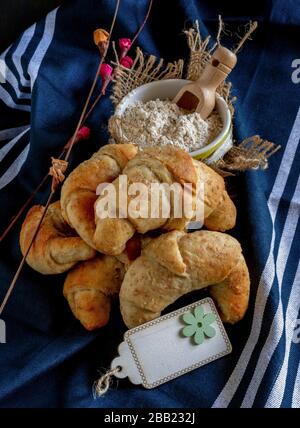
(48, 72)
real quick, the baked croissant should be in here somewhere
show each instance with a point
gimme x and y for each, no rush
(177, 263)
(219, 210)
(78, 193)
(89, 288)
(164, 165)
(56, 248)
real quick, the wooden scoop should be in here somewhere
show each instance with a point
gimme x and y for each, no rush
(200, 96)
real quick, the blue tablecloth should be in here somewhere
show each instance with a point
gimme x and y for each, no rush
(49, 360)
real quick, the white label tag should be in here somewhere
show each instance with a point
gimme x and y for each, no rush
(172, 345)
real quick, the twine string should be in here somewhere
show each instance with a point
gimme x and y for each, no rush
(101, 386)
(252, 27)
(220, 30)
(57, 172)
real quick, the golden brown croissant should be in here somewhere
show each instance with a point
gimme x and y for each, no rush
(78, 193)
(56, 248)
(160, 165)
(219, 210)
(89, 288)
(175, 264)
(164, 165)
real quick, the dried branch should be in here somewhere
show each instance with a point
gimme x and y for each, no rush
(113, 75)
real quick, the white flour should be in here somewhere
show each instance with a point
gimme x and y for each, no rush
(163, 122)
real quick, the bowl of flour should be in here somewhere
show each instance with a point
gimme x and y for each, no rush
(147, 117)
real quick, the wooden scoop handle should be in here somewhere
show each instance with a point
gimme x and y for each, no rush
(200, 96)
(216, 71)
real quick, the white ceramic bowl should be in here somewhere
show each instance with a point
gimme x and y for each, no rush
(167, 89)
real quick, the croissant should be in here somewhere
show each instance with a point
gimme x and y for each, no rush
(89, 288)
(56, 247)
(219, 210)
(175, 264)
(78, 193)
(164, 165)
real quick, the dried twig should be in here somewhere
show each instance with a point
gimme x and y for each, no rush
(113, 75)
(94, 83)
(143, 23)
(23, 208)
(17, 274)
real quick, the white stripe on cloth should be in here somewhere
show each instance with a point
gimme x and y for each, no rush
(7, 99)
(268, 274)
(19, 52)
(277, 326)
(34, 64)
(15, 168)
(12, 80)
(5, 96)
(276, 396)
(5, 52)
(296, 393)
(43, 46)
(10, 145)
(7, 134)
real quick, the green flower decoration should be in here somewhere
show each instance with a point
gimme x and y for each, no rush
(198, 325)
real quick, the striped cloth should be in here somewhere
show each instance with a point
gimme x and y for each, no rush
(47, 75)
(20, 66)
